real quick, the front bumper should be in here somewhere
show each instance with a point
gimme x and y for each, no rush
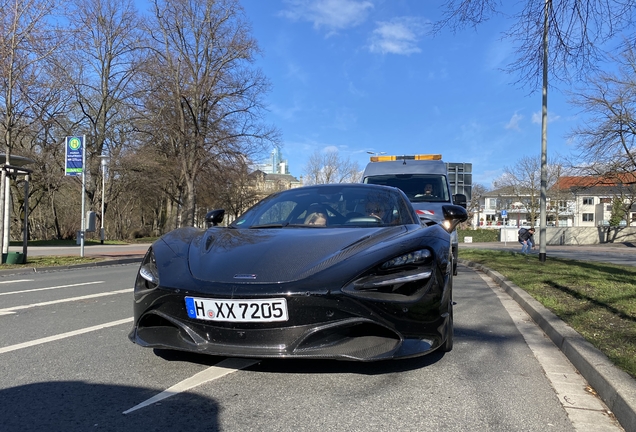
(333, 326)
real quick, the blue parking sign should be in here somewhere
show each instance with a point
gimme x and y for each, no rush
(504, 213)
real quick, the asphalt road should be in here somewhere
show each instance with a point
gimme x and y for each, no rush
(66, 365)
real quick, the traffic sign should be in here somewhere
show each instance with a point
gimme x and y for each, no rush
(74, 164)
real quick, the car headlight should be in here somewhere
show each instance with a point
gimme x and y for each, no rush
(405, 277)
(148, 270)
(392, 280)
(416, 257)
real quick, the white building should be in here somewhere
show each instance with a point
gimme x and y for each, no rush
(575, 201)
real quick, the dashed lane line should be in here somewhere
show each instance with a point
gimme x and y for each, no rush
(63, 335)
(11, 310)
(48, 288)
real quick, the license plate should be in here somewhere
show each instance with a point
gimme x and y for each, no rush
(257, 310)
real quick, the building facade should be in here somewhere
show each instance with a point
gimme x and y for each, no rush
(574, 201)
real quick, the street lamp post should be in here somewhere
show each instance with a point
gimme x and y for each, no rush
(104, 160)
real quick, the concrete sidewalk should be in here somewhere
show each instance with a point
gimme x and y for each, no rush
(615, 387)
(612, 247)
(105, 254)
(614, 253)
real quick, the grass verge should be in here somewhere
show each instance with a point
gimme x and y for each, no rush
(598, 300)
(51, 261)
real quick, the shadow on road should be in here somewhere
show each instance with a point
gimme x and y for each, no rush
(79, 406)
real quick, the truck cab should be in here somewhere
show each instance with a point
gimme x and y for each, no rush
(424, 180)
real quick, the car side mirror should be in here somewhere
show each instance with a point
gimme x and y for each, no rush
(214, 217)
(460, 200)
(453, 216)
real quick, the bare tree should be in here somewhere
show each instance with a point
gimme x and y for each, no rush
(523, 181)
(207, 102)
(27, 39)
(563, 38)
(236, 192)
(607, 140)
(106, 46)
(575, 31)
(330, 167)
(474, 207)
(49, 113)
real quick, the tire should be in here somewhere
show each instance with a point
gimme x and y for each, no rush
(448, 343)
(455, 255)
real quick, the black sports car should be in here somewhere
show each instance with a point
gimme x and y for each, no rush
(341, 271)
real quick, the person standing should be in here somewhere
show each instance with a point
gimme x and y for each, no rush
(526, 238)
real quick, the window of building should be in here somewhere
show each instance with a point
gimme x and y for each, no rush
(562, 206)
(588, 217)
(588, 201)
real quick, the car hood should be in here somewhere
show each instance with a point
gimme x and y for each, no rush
(277, 255)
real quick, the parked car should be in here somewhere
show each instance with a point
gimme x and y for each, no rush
(359, 285)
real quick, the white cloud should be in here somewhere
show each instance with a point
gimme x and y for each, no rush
(333, 15)
(536, 117)
(330, 149)
(398, 36)
(513, 124)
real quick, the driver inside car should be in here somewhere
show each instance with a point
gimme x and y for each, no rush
(376, 210)
(316, 216)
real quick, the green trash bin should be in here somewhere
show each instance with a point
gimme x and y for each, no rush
(14, 258)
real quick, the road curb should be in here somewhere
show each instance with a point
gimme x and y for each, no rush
(106, 262)
(615, 387)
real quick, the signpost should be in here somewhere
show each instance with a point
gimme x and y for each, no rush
(504, 216)
(75, 161)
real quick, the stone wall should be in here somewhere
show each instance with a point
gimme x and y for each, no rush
(580, 235)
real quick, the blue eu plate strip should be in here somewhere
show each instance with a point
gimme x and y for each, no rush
(189, 301)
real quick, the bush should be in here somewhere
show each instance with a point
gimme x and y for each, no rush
(479, 235)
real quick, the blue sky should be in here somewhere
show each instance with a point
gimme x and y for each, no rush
(364, 75)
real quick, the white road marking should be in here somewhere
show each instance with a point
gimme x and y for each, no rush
(48, 288)
(15, 281)
(11, 310)
(63, 335)
(221, 369)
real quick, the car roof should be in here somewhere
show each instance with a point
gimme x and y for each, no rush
(406, 167)
(338, 186)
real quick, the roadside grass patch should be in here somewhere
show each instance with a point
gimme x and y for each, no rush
(598, 300)
(51, 261)
(87, 242)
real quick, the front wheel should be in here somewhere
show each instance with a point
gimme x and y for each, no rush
(448, 343)
(455, 255)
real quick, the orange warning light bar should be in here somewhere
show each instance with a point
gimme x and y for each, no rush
(413, 157)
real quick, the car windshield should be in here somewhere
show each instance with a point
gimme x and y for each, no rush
(417, 187)
(331, 206)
